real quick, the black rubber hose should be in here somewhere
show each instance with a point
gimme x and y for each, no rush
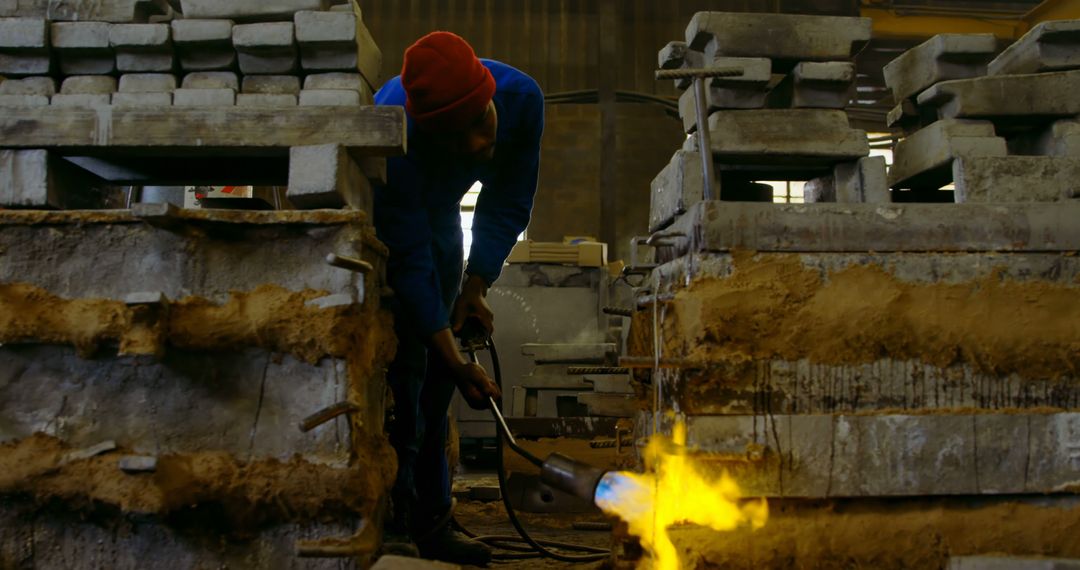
(537, 548)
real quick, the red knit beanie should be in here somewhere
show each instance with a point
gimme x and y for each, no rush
(447, 88)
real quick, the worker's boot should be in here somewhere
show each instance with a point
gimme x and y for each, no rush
(442, 542)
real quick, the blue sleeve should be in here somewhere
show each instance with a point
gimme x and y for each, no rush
(505, 204)
(401, 222)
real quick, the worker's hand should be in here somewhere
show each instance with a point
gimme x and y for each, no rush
(472, 303)
(475, 385)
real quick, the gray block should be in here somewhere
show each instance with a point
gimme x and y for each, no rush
(862, 181)
(81, 100)
(142, 47)
(326, 176)
(1062, 138)
(24, 46)
(331, 301)
(675, 55)
(351, 81)
(204, 45)
(23, 100)
(121, 100)
(1049, 46)
(88, 84)
(329, 97)
(265, 49)
(265, 100)
(272, 84)
(1002, 562)
(677, 188)
(941, 58)
(818, 190)
(922, 160)
(748, 91)
(116, 11)
(137, 463)
(45, 86)
(211, 80)
(1041, 94)
(38, 179)
(147, 83)
(83, 48)
(247, 10)
(204, 97)
(337, 41)
(815, 85)
(773, 136)
(790, 38)
(1016, 178)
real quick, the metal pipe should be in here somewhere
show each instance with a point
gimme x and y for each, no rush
(326, 414)
(595, 370)
(350, 263)
(704, 144)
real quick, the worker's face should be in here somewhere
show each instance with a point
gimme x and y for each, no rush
(477, 143)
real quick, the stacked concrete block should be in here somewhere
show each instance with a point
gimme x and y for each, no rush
(266, 48)
(1049, 46)
(142, 48)
(860, 182)
(145, 90)
(790, 38)
(269, 91)
(116, 11)
(816, 85)
(83, 48)
(248, 10)
(30, 91)
(85, 91)
(24, 47)
(204, 45)
(337, 41)
(332, 89)
(923, 160)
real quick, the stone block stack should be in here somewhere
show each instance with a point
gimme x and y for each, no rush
(781, 119)
(1000, 129)
(877, 368)
(191, 387)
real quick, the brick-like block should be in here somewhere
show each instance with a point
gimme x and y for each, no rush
(247, 10)
(1049, 46)
(204, 45)
(678, 187)
(266, 49)
(818, 190)
(45, 86)
(771, 136)
(83, 48)
(329, 97)
(862, 181)
(941, 58)
(141, 100)
(147, 83)
(142, 47)
(115, 11)
(265, 100)
(204, 97)
(341, 80)
(1041, 95)
(97, 84)
(211, 80)
(784, 38)
(337, 41)
(1016, 179)
(922, 160)
(748, 91)
(81, 100)
(272, 84)
(815, 85)
(24, 46)
(326, 176)
(23, 100)
(39, 179)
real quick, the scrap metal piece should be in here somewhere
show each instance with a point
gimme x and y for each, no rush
(326, 414)
(350, 263)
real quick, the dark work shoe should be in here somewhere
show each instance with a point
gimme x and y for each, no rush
(449, 545)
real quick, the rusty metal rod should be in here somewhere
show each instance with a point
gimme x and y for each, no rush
(618, 311)
(664, 74)
(642, 362)
(350, 263)
(597, 370)
(326, 414)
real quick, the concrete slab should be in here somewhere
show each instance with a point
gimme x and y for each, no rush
(1016, 178)
(24, 46)
(815, 85)
(89, 84)
(862, 181)
(211, 80)
(1007, 96)
(1062, 138)
(941, 58)
(248, 10)
(802, 136)
(676, 188)
(83, 48)
(204, 97)
(819, 190)
(121, 100)
(116, 11)
(272, 84)
(204, 45)
(329, 98)
(81, 100)
(1049, 46)
(38, 179)
(147, 83)
(265, 100)
(326, 176)
(337, 41)
(266, 49)
(340, 80)
(923, 159)
(45, 86)
(142, 48)
(23, 100)
(792, 38)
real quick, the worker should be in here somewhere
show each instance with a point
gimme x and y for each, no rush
(469, 120)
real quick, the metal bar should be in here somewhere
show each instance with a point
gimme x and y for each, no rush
(350, 263)
(326, 414)
(707, 73)
(648, 362)
(597, 370)
(703, 143)
(618, 311)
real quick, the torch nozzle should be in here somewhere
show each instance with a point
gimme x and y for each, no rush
(571, 476)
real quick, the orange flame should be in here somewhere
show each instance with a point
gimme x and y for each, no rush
(674, 490)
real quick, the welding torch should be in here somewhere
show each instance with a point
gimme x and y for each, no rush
(558, 471)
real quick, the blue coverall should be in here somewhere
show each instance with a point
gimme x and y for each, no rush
(417, 215)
